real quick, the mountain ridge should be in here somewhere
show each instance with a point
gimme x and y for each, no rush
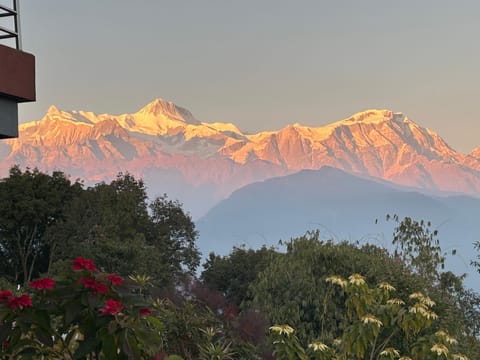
(164, 138)
(342, 206)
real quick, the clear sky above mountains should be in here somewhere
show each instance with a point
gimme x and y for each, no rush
(261, 64)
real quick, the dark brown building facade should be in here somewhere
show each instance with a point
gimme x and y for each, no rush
(17, 84)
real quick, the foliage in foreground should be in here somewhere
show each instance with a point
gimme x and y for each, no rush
(87, 314)
(83, 314)
(292, 290)
(375, 321)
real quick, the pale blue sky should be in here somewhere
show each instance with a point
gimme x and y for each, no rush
(261, 64)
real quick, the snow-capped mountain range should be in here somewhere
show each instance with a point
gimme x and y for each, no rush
(202, 163)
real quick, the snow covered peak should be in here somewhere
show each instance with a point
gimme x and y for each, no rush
(476, 152)
(374, 142)
(53, 110)
(160, 107)
(375, 116)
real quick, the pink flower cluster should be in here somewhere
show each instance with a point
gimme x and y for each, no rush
(97, 286)
(80, 263)
(5, 294)
(112, 307)
(43, 284)
(114, 279)
(15, 302)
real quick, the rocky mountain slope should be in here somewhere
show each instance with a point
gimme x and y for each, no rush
(202, 163)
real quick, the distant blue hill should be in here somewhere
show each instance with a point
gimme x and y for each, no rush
(343, 207)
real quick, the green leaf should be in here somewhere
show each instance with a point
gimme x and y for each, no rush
(27, 353)
(44, 337)
(71, 312)
(4, 313)
(5, 331)
(130, 347)
(42, 318)
(109, 346)
(156, 322)
(93, 301)
(86, 347)
(15, 336)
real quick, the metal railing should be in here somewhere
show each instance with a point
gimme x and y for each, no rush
(11, 33)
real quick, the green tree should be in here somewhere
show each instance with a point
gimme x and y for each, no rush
(476, 263)
(108, 223)
(375, 320)
(233, 274)
(418, 246)
(31, 204)
(173, 233)
(292, 289)
(113, 224)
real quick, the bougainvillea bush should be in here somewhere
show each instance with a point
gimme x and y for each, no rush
(82, 314)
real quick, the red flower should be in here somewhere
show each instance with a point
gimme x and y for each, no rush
(115, 279)
(96, 286)
(45, 283)
(100, 288)
(112, 307)
(5, 295)
(20, 302)
(145, 311)
(5, 344)
(81, 263)
(89, 283)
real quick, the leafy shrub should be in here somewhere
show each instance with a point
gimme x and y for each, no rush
(377, 326)
(82, 314)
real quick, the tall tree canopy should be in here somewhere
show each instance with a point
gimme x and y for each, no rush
(233, 274)
(32, 203)
(173, 231)
(114, 224)
(292, 288)
(46, 220)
